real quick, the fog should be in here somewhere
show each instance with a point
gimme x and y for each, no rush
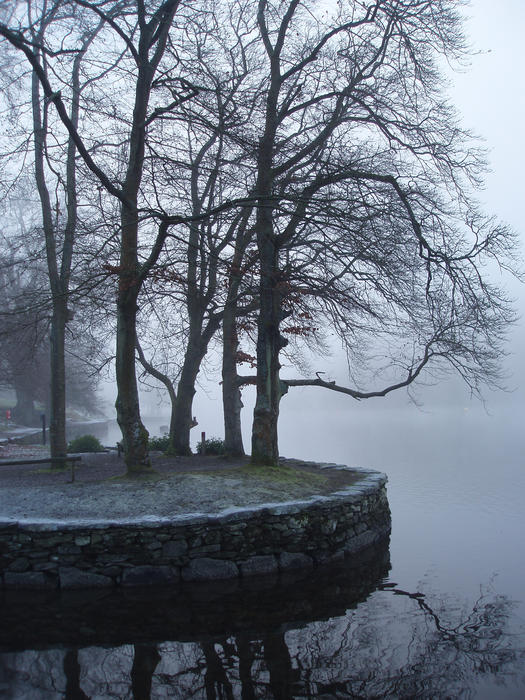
(490, 96)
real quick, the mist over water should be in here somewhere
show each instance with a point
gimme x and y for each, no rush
(456, 479)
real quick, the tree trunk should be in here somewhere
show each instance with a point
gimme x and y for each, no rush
(151, 46)
(216, 681)
(72, 670)
(161, 377)
(231, 393)
(265, 448)
(58, 286)
(269, 342)
(231, 390)
(134, 434)
(145, 660)
(246, 659)
(279, 664)
(182, 419)
(57, 418)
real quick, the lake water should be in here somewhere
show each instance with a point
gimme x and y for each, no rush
(439, 613)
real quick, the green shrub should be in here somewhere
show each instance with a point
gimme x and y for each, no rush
(159, 443)
(214, 446)
(85, 443)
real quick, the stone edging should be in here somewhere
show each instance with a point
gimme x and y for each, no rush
(267, 539)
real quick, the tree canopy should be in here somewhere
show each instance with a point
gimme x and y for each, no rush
(266, 171)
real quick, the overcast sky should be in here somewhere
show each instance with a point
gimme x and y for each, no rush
(491, 97)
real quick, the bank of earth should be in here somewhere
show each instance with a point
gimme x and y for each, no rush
(194, 519)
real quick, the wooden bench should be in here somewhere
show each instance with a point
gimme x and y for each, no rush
(45, 460)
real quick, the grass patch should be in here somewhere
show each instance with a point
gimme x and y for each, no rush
(284, 474)
(147, 475)
(281, 476)
(287, 479)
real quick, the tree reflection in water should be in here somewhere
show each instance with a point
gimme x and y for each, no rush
(145, 660)
(343, 632)
(72, 674)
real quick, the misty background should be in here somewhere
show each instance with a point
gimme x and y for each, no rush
(322, 425)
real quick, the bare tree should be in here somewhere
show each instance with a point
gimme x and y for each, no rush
(365, 215)
(134, 38)
(55, 172)
(25, 323)
(199, 268)
(24, 349)
(320, 134)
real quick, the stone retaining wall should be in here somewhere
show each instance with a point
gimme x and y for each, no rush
(193, 547)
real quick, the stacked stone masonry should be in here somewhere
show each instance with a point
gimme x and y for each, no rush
(235, 542)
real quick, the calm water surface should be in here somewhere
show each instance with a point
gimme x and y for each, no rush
(439, 613)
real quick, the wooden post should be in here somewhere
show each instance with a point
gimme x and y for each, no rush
(203, 443)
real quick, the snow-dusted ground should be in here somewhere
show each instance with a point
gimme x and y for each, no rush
(180, 496)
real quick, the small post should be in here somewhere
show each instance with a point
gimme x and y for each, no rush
(203, 443)
(43, 417)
